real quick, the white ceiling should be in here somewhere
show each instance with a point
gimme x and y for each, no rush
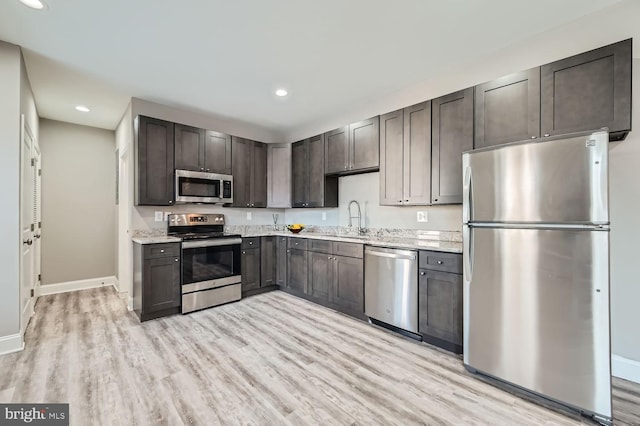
(226, 58)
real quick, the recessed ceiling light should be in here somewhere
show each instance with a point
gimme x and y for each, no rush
(33, 4)
(82, 108)
(281, 92)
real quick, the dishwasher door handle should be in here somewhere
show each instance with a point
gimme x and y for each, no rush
(391, 255)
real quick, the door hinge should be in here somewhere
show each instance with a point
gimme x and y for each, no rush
(39, 277)
(33, 293)
(33, 227)
(39, 172)
(39, 225)
(33, 162)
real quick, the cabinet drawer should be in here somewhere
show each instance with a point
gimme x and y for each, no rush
(439, 261)
(251, 242)
(348, 249)
(161, 250)
(322, 246)
(297, 243)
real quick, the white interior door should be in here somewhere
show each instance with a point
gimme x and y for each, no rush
(125, 272)
(37, 218)
(27, 166)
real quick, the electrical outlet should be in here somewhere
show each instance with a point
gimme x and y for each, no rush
(422, 216)
(324, 215)
(166, 216)
(159, 216)
(249, 216)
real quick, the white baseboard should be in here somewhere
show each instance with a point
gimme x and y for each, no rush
(77, 285)
(11, 343)
(625, 368)
(116, 284)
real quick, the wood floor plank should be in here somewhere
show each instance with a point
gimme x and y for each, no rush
(271, 359)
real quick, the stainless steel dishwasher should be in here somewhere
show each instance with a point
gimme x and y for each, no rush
(391, 286)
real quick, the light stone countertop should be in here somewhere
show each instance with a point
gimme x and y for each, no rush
(392, 242)
(156, 240)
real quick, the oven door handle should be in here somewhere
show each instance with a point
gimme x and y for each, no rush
(211, 243)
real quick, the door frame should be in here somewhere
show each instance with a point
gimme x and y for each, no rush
(26, 311)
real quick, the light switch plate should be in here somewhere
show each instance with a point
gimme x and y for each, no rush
(249, 216)
(422, 216)
(166, 216)
(159, 216)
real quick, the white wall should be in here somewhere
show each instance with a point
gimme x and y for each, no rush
(10, 189)
(78, 198)
(624, 172)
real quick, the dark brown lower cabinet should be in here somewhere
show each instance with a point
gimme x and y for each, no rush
(348, 284)
(281, 262)
(440, 309)
(268, 261)
(250, 269)
(320, 276)
(156, 280)
(297, 270)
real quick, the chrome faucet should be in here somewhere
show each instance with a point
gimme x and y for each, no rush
(359, 216)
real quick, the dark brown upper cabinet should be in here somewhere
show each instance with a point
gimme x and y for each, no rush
(249, 159)
(154, 151)
(189, 145)
(451, 135)
(354, 148)
(508, 109)
(311, 187)
(405, 156)
(588, 91)
(202, 150)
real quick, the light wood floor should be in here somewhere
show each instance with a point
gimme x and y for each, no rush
(268, 360)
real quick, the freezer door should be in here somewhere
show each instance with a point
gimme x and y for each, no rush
(554, 181)
(536, 312)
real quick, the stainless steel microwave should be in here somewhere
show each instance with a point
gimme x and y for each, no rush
(201, 187)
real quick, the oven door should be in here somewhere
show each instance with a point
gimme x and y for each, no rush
(208, 264)
(200, 187)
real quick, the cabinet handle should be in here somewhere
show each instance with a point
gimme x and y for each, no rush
(422, 273)
(400, 201)
(345, 167)
(202, 169)
(533, 137)
(546, 135)
(248, 205)
(177, 260)
(329, 257)
(208, 170)
(161, 251)
(435, 199)
(288, 251)
(439, 262)
(244, 252)
(170, 202)
(250, 243)
(406, 201)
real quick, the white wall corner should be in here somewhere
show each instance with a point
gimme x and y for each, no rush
(11, 343)
(77, 285)
(625, 368)
(130, 304)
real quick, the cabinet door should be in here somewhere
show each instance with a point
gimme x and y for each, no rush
(297, 270)
(588, 91)
(452, 134)
(250, 269)
(279, 175)
(417, 155)
(161, 284)
(155, 153)
(259, 175)
(336, 150)
(320, 276)
(348, 283)
(281, 262)
(217, 153)
(508, 109)
(364, 145)
(299, 173)
(440, 308)
(189, 145)
(315, 170)
(391, 158)
(268, 256)
(241, 161)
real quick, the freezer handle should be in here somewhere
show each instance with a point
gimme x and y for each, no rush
(466, 194)
(467, 252)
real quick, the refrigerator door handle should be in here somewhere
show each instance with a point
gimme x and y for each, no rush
(467, 255)
(466, 195)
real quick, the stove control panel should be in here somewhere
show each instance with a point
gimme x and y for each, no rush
(194, 219)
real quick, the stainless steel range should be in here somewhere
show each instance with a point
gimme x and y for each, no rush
(210, 260)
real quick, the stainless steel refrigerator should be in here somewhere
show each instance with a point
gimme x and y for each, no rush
(536, 268)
